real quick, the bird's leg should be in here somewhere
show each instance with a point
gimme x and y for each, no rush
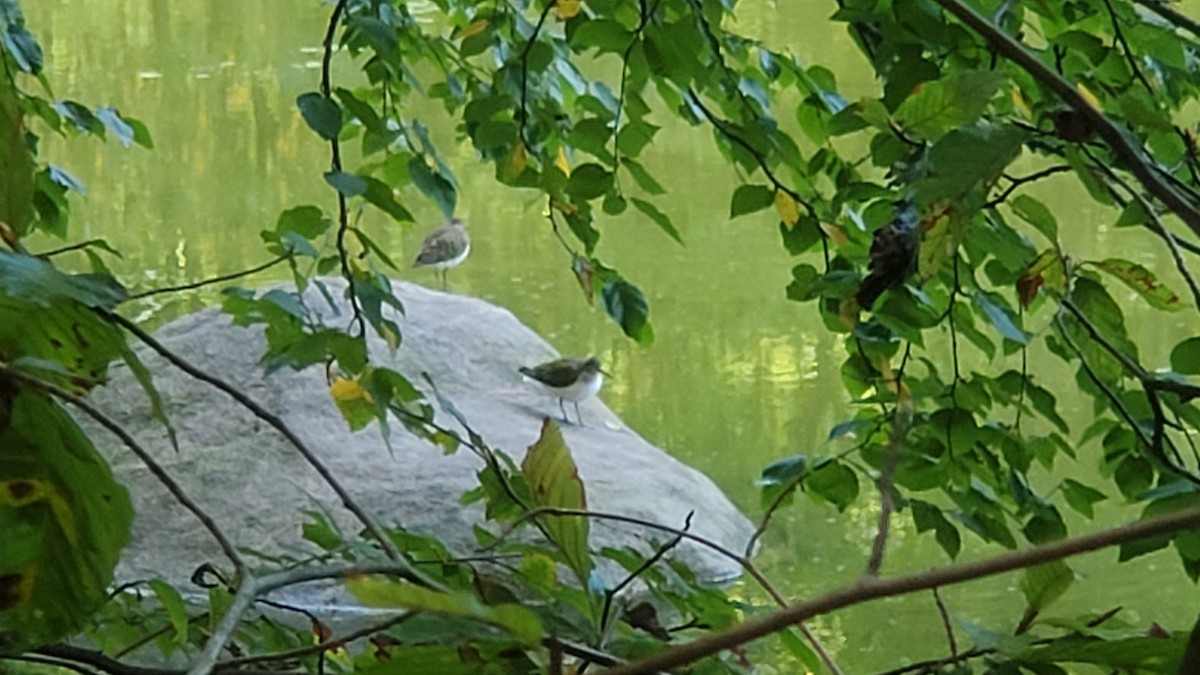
(564, 411)
(443, 278)
(577, 414)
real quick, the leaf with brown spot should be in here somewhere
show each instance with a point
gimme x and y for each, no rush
(1143, 282)
(1045, 270)
(59, 499)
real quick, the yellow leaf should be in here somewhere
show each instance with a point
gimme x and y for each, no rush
(566, 208)
(473, 28)
(561, 162)
(1088, 96)
(513, 164)
(567, 8)
(1021, 104)
(343, 389)
(835, 233)
(788, 208)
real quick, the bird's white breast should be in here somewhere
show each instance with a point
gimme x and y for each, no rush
(453, 262)
(583, 388)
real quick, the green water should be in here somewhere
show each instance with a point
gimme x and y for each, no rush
(738, 376)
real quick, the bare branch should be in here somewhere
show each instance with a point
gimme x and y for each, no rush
(214, 280)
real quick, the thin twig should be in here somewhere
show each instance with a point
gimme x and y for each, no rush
(335, 163)
(524, 58)
(155, 468)
(74, 247)
(213, 280)
(1018, 181)
(646, 564)
(946, 624)
(744, 561)
(901, 419)
(253, 588)
(873, 588)
(1130, 57)
(309, 650)
(1172, 15)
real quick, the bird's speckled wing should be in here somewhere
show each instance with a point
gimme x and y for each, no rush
(441, 245)
(557, 373)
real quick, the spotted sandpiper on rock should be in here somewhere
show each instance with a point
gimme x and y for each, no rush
(570, 379)
(445, 247)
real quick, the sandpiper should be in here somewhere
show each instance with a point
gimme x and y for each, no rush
(570, 379)
(445, 247)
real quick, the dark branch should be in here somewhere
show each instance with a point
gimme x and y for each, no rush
(873, 588)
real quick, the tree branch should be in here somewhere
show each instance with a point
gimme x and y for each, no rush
(1118, 139)
(214, 280)
(872, 588)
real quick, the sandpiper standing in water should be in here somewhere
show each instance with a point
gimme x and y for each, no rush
(445, 247)
(570, 379)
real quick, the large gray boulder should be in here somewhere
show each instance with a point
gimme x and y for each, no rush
(253, 483)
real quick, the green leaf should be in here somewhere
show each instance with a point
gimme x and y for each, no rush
(518, 621)
(1001, 318)
(22, 46)
(177, 614)
(835, 482)
(434, 185)
(588, 181)
(554, 482)
(798, 648)
(1045, 583)
(80, 117)
(1137, 654)
(780, 476)
(590, 135)
(65, 520)
(308, 221)
(929, 517)
(1036, 214)
(751, 198)
(642, 177)
(113, 121)
(605, 35)
(1081, 497)
(634, 136)
(954, 101)
(1185, 357)
(664, 223)
(359, 109)
(350, 185)
(321, 530)
(1143, 282)
(966, 159)
(37, 281)
(17, 177)
(382, 196)
(321, 113)
(626, 304)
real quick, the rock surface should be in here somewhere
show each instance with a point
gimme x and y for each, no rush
(256, 486)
